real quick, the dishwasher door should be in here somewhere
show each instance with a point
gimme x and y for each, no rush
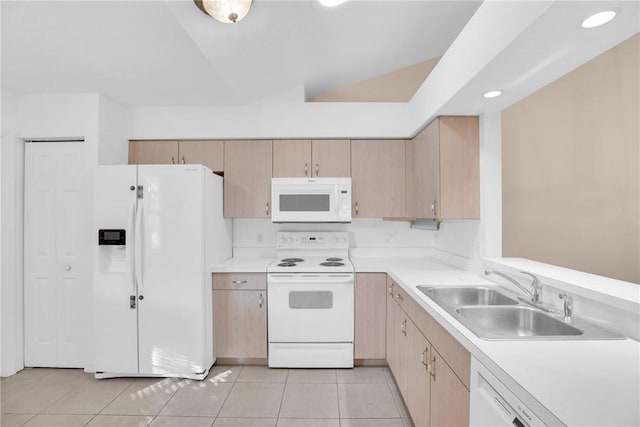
(493, 405)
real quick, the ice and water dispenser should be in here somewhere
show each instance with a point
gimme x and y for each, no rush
(112, 245)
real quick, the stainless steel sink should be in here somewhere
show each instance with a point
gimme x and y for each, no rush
(462, 296)
(494, 313)
(514, 322)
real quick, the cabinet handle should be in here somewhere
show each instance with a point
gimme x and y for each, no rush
(423, 358)
(266, 209)
(390, 290)
(431, 367)
(173, 161)
(399, 297)
(306, 169)
(434, 206)
(357, 208)
(239, 282)
(317, 170)
(182, 160)
(260, 301)
(403, 327)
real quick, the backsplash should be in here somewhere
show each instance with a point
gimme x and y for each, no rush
(363, 233)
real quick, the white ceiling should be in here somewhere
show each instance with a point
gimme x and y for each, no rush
(163, 53)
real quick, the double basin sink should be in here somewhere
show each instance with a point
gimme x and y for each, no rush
(493, 314)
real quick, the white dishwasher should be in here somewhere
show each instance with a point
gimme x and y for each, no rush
(493, 404)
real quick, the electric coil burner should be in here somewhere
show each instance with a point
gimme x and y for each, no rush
(310, 310)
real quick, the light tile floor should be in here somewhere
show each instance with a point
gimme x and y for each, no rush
(230, 396)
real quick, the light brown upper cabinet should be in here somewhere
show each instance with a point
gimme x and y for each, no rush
(318, 157)
(206, 152)
(378, 178)
(445, 169)
(147, 152)
(247, 178)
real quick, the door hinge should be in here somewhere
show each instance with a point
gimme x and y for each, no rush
(140, 192)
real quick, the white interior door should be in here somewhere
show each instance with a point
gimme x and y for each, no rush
(55, 256)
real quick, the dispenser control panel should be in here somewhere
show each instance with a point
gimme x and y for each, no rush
(112, 237)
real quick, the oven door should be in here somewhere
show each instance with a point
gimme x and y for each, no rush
(311, 200)
(310, 308)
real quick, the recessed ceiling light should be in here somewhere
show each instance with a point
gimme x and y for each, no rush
(331, 3)
(492, 93)
(598, 19)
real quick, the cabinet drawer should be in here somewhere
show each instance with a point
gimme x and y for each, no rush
(242, 281)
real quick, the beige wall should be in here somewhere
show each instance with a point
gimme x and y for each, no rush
(570, 169)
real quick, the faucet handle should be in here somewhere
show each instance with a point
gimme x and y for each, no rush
(536, 286)
(568, 306)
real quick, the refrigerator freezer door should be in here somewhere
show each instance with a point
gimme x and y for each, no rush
(171, 305)
(115, 319)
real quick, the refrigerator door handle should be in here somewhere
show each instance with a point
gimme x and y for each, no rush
(132, 246)
(138, 247)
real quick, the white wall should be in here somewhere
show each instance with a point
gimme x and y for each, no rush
(465, 242)
(114, 127)
(282, 116)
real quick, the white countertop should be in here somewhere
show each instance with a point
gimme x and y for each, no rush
(243, 265)
(595, 383)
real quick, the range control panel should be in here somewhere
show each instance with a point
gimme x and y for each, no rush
(312, 240)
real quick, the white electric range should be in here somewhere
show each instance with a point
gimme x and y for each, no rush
(310, 310)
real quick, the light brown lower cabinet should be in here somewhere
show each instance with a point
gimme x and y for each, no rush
(369, 331)
(435, 396)
(239, 316)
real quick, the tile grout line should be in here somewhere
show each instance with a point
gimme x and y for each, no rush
(235, 381)
(284, 390)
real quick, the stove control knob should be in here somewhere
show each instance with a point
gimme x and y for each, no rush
(282, 240)
(290, 240)
(343, 240)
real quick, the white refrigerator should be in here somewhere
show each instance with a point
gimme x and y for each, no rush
(159, 230)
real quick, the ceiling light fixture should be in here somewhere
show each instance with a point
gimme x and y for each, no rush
(598, 19)
(227, 11)
(492, 93)
(331, 3)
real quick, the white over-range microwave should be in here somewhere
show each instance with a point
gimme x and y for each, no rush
(311, 199)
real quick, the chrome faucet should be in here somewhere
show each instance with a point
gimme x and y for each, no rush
(568, 306)
(536, 287)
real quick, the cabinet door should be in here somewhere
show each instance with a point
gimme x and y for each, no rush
(208, 153)
(459, 168)
(239, 324)
(390, 335)
(331, 157)
(247, 179)
(370, 300)
(378, 178)
(426, 172)
(408, 179)
(449, 397)
(418, 378)
(153, 152)
(292, 158)
(402, 349)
